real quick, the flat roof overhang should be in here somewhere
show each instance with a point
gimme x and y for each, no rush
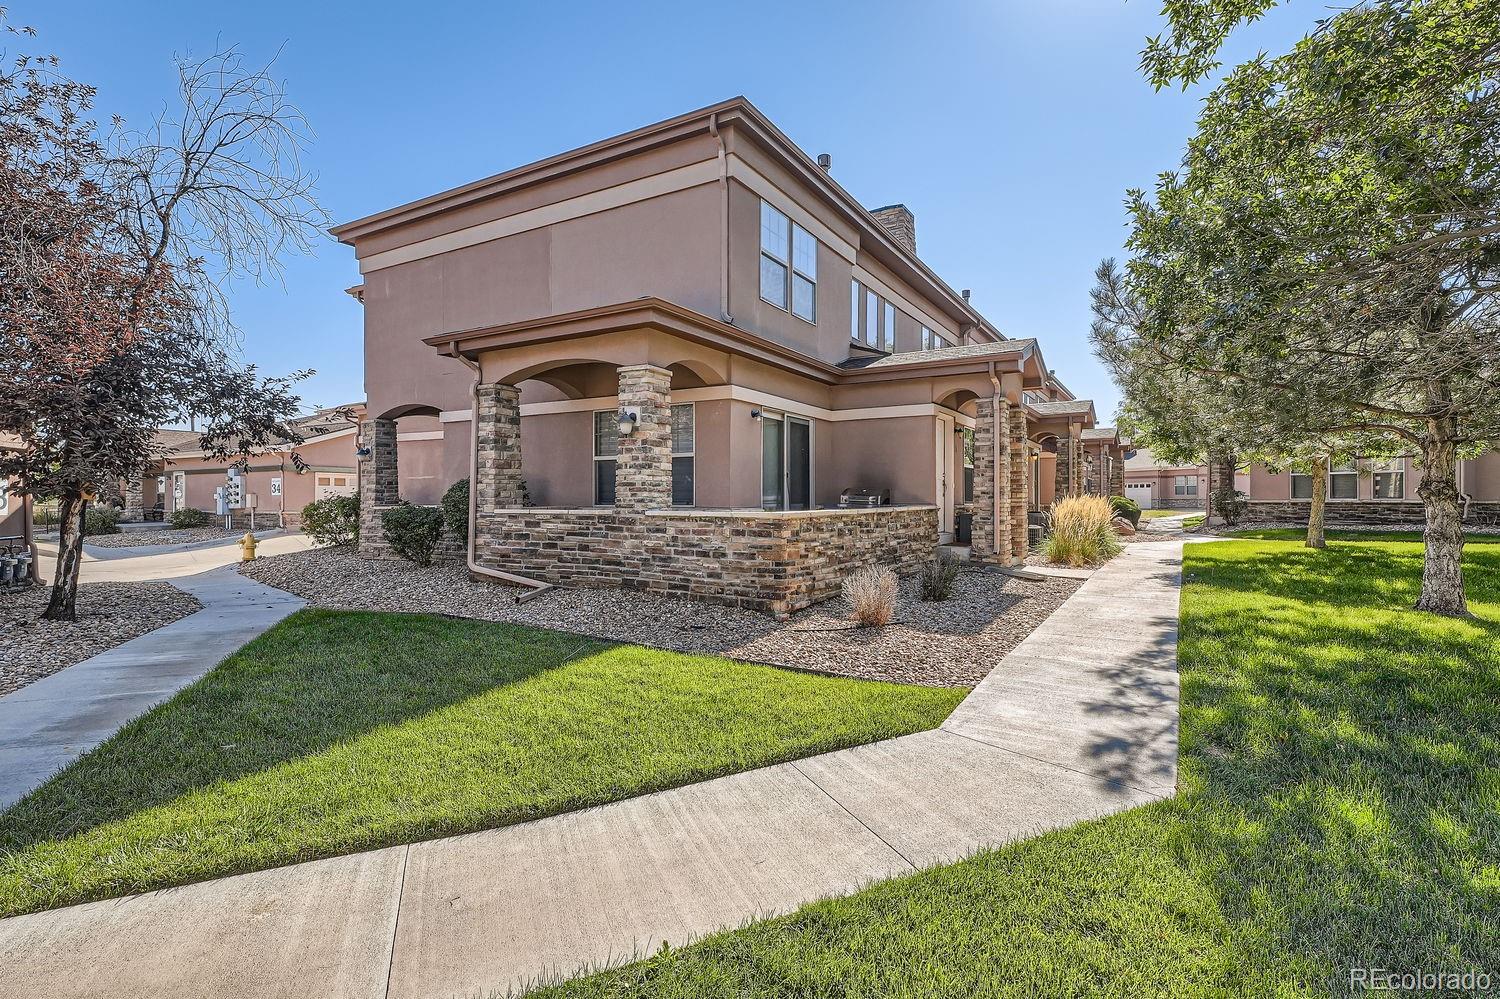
(667, 317)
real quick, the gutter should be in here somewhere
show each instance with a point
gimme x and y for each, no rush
(535, 587)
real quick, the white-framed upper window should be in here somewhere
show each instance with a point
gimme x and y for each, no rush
(788, 264)
(888, 328)
(926, 338)
(854, 310)
(606, 455)
(682, 454)
(1031, 397)
(872, 316)
(1184, 485)
(1389, 478)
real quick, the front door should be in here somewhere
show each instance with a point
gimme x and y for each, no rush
(943, 449)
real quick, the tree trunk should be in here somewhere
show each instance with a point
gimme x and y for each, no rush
(62, 605)
(1442, 560)
(1315, 510)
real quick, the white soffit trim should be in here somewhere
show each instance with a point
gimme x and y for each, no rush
(680, 179)
(874, 283)
(755, 181)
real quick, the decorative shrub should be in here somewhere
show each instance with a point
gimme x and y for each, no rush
(413, 532)
(1082, 532)
(938, 575)
(188, 518)
(332, 521)
(456, 510)
(1230, 504)
(1126, 507)
(871, 593)
(101, 520)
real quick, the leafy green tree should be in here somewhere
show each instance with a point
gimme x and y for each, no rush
(1332, 241)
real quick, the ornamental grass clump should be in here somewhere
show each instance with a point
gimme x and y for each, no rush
(936, 580)
(871, 595)
(1082, 532)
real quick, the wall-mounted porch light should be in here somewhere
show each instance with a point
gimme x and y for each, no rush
(629, 418)
(756, 414)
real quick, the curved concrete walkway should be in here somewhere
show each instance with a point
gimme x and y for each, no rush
(1079, 721)
(46, 725)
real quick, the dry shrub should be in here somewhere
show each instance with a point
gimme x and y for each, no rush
(871, 594)
(1082, 532)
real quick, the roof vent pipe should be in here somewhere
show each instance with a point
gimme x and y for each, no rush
(825, 162)
(965, 294)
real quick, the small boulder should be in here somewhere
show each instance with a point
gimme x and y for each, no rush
(1123, 527)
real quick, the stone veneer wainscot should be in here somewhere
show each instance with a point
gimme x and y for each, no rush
(773, 561)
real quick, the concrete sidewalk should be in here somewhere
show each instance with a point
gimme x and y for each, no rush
(46, 725)
(1079, 721)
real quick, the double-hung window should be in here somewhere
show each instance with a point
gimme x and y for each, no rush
(682, 454)
(1390, 480)
(854, 310)
(606, 452)
(926, 338)
(888, 329)
(872, 317)
(1185, 485)
(788, 264)
(1301, 485)
(1343, 481)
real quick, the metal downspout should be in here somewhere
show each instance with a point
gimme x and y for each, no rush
(995, 400)
(713, 130)
(536, 586)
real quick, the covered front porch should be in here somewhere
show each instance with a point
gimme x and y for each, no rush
(656, 449)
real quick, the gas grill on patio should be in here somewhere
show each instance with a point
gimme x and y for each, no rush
(863, 498)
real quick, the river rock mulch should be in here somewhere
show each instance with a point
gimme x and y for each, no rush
(951, 643)
(109, 614)
(168, 536)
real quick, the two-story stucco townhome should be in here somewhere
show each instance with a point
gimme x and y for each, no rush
(665, 356)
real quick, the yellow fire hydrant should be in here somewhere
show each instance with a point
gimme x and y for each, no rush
(247, 547)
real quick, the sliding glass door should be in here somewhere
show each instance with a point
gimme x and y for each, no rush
(785, 463)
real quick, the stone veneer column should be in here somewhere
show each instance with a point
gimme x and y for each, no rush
(135, 499)
(643, 469)
(497, 442)
(379, 481)
(1020, 491)
(1065, 457)
(1116, 475)
(982, 527)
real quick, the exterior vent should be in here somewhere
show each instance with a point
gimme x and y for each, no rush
(900, 223)
(825, 162)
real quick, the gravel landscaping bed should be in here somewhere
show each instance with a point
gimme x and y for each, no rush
(109, 614)
(168, 536)
(952, 643)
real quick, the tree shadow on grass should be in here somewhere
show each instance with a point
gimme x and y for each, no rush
(1341, 761)
(316, 679)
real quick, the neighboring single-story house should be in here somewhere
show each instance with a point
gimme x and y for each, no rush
(16, 525)
(666, 357)
(280, 481)
(1365, 491)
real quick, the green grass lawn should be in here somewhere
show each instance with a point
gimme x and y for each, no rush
(336, 732)
(1339, 806)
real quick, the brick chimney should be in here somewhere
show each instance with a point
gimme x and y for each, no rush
(900, 223)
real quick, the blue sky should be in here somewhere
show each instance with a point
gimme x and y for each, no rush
(1011, 128)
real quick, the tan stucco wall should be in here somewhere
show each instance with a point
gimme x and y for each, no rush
(203, 476)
